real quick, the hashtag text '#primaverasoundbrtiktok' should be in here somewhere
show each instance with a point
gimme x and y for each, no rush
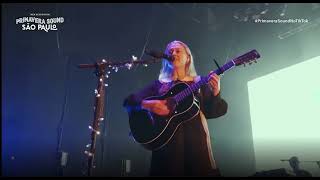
(281, 21)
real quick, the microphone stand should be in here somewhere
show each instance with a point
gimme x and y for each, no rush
(99, 106)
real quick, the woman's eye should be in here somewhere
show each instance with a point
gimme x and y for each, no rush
(172, 51)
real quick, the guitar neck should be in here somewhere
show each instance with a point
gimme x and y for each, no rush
(194, 87)
(245, 58)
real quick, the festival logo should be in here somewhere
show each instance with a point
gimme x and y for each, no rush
(33, 23)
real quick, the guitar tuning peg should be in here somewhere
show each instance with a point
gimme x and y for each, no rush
(250, 63)
(255, 61)
(244, 64)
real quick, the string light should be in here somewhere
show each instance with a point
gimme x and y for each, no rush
(105, 64)
(97, 132)
(128, 65)
(134, 58)
(88, 153)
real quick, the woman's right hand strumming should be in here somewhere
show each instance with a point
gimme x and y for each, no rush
(156, 106)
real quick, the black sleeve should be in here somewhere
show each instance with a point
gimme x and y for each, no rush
(212, 106)
(134, 99)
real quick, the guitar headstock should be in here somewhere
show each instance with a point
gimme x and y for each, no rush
(248, 57)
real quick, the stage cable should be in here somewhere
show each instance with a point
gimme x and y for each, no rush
(60, 126)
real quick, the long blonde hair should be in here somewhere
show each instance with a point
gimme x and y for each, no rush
(166, 71)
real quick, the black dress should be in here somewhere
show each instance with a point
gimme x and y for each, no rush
(189, 152)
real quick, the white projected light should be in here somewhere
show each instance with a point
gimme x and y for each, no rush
(285, 116)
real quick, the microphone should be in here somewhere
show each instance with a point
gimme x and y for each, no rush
(158, 54)
(284, 160)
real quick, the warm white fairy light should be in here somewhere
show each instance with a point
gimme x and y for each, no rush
(134, 58)
(97, 132)
(88, 153)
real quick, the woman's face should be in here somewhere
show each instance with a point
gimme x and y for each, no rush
(180, 55)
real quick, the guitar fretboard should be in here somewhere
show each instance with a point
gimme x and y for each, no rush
(194, 87)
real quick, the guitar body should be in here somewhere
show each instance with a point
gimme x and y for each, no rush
(154, 131)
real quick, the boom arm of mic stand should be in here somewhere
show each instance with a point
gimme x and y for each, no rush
(153, 60)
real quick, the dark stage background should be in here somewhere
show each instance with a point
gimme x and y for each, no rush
(34, 78)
